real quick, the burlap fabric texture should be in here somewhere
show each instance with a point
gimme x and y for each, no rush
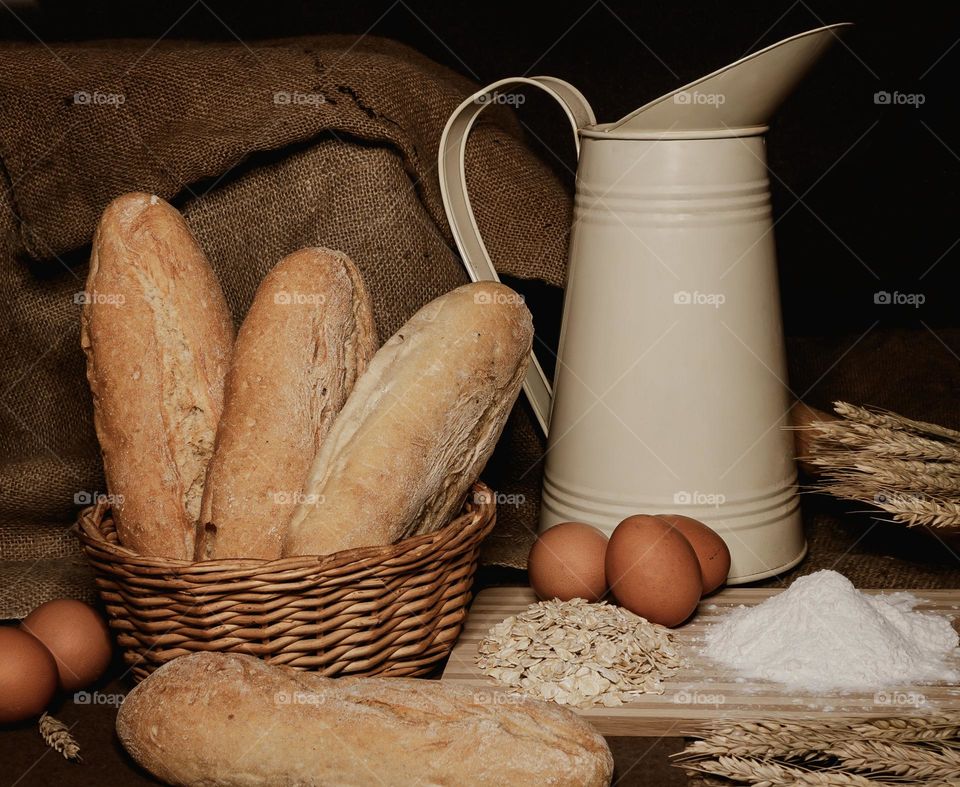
(265, 149)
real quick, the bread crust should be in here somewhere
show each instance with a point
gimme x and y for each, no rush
(157, 335)
(307, 337)
(230, 719)
(419, 426)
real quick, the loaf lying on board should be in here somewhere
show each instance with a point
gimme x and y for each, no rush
(157, 335)
(307, 337)
(420, 424)
(228, 719)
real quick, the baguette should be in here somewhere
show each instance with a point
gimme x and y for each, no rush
(157, 335)
(420, 424)
(230, 719)
(307, 337)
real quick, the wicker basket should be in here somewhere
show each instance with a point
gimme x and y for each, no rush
(392, 610)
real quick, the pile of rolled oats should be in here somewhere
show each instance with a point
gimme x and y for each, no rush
(578, 653)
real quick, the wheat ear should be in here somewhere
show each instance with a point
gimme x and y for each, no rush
(904, 751)
(914, 761)
(885, 418)
(909, 469)
(909, 728)
(57, 736)
(771, 773)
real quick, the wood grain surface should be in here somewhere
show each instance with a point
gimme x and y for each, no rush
(703, 691)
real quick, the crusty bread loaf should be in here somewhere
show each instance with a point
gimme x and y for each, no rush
(420, 424)
(307, 337)
(228, 719)
(157, 335)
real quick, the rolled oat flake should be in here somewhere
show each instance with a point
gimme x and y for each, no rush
(579, 653)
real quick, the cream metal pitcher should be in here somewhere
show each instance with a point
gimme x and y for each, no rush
(669, 393)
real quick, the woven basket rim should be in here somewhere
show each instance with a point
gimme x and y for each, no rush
(479, 509)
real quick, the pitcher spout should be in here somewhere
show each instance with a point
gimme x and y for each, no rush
(743, 94)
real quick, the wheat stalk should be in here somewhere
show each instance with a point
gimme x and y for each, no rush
(804, 735)
(865, 463)
(910, 469)
(770, 773)
(885, 418)
(909, 728)
(891, 475)
(839, 751)
(900, 759)
(760, 738)
(911, 509)
(880, 441)
(57, 736)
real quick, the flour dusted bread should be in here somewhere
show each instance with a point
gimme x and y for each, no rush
(157, 335)
(420, 424)
(307, 337)
(228, 719)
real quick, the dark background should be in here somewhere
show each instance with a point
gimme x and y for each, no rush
(876, 183)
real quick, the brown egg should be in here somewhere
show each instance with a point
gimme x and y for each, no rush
(711, 549)
(77, 637)
(28, 675)
(566, 562)
(653, 571)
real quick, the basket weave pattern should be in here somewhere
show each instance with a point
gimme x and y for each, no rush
(390, 610)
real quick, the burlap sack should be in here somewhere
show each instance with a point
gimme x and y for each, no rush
(266, 150)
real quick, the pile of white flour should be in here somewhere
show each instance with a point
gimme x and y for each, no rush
(823, 634)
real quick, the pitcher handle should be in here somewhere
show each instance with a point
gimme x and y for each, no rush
(456, 201)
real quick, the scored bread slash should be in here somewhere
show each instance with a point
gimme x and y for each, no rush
(579, 653)
(419, 426)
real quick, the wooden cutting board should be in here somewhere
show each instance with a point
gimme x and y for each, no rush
(703, 691)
